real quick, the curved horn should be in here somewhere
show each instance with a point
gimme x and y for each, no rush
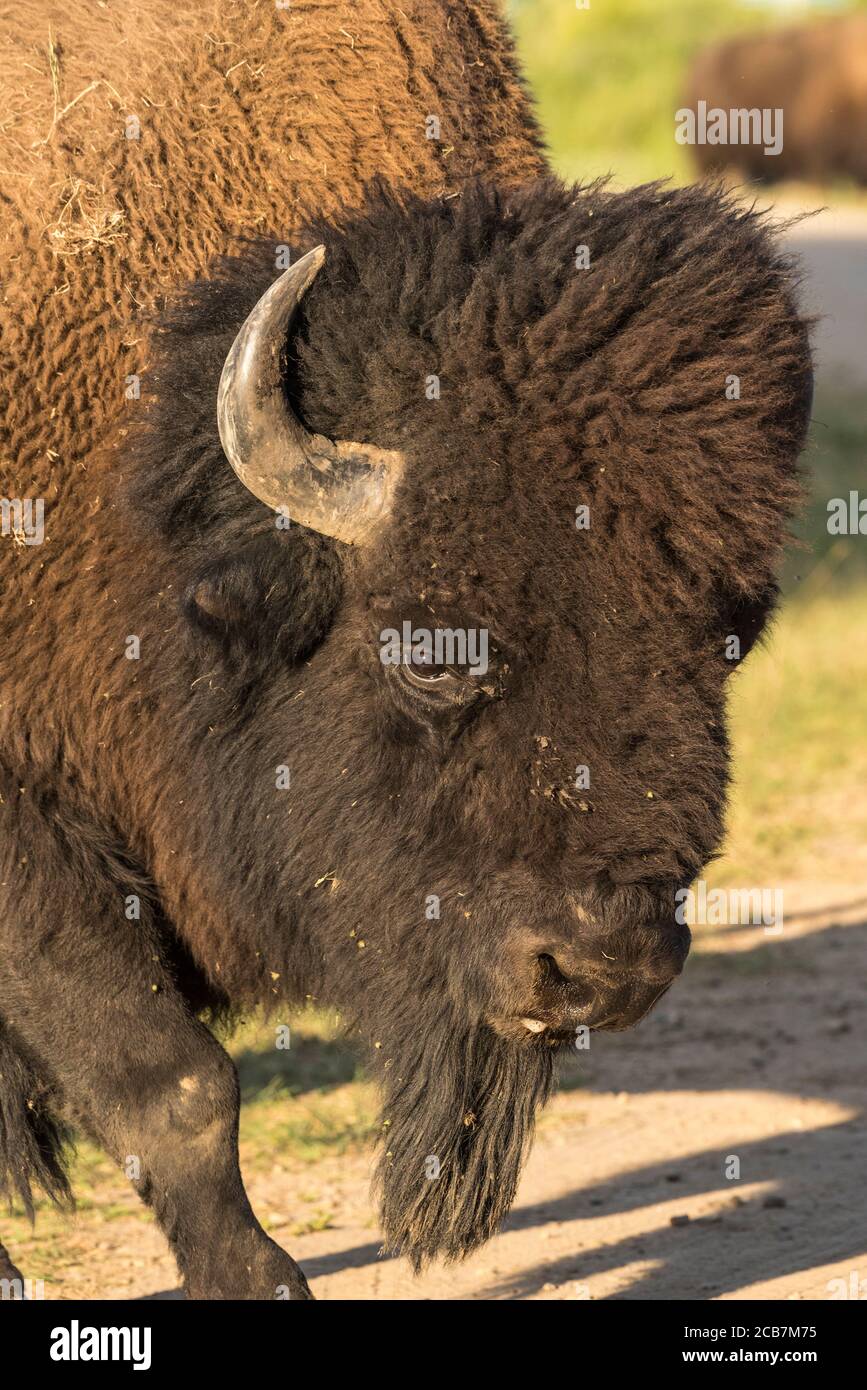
(337, 488)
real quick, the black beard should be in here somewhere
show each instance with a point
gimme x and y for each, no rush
(462, 1095)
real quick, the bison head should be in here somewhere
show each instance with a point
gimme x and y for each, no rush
(551, 436)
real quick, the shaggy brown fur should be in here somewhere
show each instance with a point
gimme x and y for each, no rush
(816, 74)
(294, 113)
(259, 647)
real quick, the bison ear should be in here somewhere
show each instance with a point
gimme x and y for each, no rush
(213, 602)
(225, 595)
(272, 600)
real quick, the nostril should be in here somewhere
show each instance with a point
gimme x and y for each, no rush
(572, 998)
(553, 971)
(561, 988)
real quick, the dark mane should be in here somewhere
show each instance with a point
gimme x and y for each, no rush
(406, 280)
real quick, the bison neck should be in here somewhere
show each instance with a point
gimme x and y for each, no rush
(190, 130)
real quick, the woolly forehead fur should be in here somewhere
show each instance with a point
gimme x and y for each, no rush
(561, 385)
(558, 386)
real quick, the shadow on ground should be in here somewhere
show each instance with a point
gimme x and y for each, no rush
(786, 1017)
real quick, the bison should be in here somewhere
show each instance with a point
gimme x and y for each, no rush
(478, 404)
(815, 75)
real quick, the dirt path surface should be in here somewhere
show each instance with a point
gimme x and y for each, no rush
(626, 1193)
(756, 1056)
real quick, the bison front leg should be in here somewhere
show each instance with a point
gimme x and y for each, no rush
(88, 1000)
(11, 1280)
(184, 1130)
(179, 1140)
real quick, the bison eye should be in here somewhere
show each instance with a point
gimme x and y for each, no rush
(419, 670)
(426, 678)
(433, 679)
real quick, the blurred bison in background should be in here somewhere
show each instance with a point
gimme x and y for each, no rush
(816, 74)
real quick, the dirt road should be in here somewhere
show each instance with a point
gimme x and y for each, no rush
(755, 1065)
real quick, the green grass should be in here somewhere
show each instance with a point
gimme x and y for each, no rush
(305, 1101)
(608, 80)
(798, 720)
(835, 460)
(798, 712)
